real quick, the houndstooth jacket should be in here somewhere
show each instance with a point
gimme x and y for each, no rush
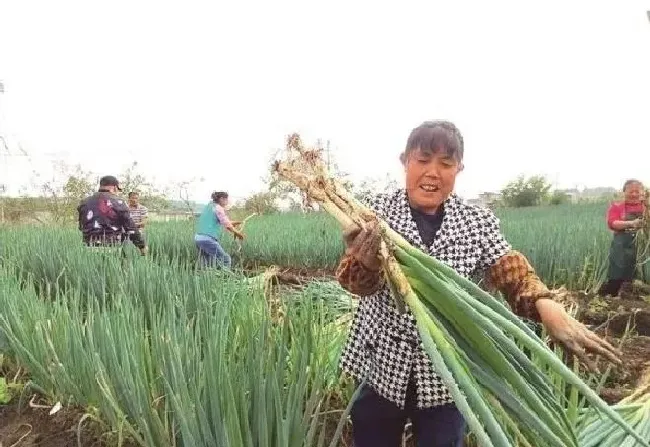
(383, 346)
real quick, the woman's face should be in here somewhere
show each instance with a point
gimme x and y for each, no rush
(430, 178)
(634, 192)
(223, 201)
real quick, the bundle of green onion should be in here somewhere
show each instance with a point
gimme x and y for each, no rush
(471, 338)
(595, 431)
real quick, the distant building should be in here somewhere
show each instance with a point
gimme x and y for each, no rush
(572, 193)
(486, 199)
(589, 194)
(168, 216)
(599, 192)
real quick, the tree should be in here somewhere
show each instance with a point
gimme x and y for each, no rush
(64, 191)
(183, 190)
(133, 180)
(559, 198)
(261, 203)
(78, 187)
(525, 192)
(71, 183)
(21, 209)
(375, 185)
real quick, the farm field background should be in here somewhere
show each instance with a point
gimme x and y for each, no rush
(160, 354)
(567, 245)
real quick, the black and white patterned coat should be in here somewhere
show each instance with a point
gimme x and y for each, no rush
(384, 346)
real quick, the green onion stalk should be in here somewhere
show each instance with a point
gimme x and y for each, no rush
(594, 431)
(643, 241)
(200, 365)
(474, 341)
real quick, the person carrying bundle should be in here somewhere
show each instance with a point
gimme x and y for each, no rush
(384, 347)
(625, 219)
(208, 231)
(105, 220)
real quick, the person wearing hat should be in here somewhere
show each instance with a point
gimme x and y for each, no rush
(105, 219)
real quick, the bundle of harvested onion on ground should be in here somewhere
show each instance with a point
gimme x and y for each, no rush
(470, 337)
(593, 431)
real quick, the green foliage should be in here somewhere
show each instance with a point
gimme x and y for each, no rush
(61, 195)
(181, 325)
(150, 196)
(63, 192)
(559, 198)
(76, 188)
(525, 192)
(374, 185)
(167, 356)
(261, 203)
(567, 244)
(5, 397)
(22, 209)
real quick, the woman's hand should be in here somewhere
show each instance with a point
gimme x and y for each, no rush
(636, 224)
(364, 244)
(359, 271)
(573, 335)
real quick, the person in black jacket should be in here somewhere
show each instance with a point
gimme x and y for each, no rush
(105, 220)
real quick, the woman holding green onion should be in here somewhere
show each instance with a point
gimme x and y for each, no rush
(624, 219)
(384, 347)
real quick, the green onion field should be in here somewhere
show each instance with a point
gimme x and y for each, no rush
(147, 351)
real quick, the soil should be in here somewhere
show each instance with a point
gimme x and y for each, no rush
(33, 427)
(629, 375)
(294, 276)
(609, 318)
(302, 276)
(614, 314)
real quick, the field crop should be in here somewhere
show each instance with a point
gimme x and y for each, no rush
(167, 356)
(568, 245)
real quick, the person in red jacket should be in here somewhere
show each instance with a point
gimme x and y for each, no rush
(624, 218)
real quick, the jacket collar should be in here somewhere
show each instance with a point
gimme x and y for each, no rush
(401, 220)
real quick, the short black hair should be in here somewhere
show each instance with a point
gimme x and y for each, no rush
(134, 193)
(109, 180)
(217, 195)
(433, 136)
(629, 182)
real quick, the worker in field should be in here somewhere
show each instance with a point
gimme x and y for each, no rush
(209, 227)
(105, 220)
(624, 219)
(138, 211)
(384, 346)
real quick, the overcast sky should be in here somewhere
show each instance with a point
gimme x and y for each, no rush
(535, 87)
